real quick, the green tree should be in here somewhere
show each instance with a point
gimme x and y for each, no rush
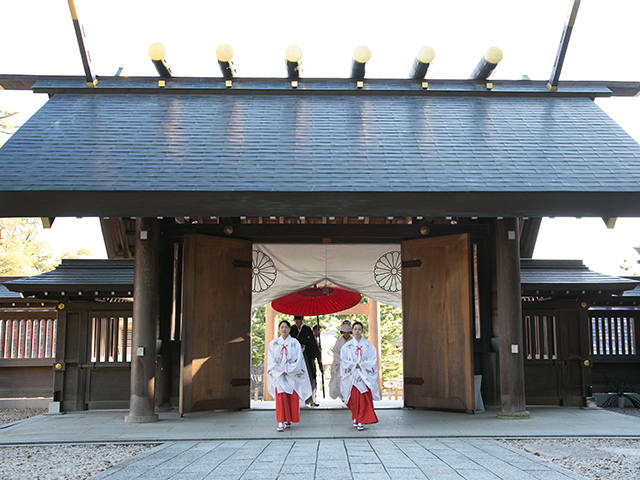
(390, 349)
(23, 252)
(258, 324)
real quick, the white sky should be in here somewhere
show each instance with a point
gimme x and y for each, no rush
(38, 38)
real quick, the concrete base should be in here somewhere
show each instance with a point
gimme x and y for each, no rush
(514, 415)
(590, 402)
(140, 418)
(54, 408)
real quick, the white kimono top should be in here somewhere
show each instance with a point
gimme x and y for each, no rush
(285, 356)
(334, 383)
(361, 353)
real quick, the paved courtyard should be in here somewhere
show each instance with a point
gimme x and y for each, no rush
(405, 444)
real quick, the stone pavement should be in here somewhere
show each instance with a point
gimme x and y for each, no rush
(405, 444)
(332, 459)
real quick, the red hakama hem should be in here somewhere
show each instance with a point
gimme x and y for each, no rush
(287, 407)
(361, 406)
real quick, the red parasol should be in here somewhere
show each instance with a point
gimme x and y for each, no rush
(316, 301)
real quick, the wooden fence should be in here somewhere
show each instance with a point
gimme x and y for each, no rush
(27, 350)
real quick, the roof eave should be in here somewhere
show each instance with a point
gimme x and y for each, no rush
(53, 84)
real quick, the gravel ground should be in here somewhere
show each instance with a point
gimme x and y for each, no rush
(594, 458)
(63, 462)
(10, 415)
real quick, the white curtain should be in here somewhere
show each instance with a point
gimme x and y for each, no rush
(370, 269)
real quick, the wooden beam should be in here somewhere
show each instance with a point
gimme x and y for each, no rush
(145, 313)
(317, 233)
(84, 53)
(359, 309)
(562, 48)
(47, 222)
(511, 345)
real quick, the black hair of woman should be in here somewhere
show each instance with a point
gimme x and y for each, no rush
(357, 323)
(284, 321)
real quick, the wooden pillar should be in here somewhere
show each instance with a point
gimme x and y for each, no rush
(269, 334)
(511, 345)
(145, 319)
(374, 334)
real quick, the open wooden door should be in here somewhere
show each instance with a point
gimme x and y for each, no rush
(437, 323)
(215, 364)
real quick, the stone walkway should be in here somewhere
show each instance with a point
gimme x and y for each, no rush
(405, 444)
(366, 459)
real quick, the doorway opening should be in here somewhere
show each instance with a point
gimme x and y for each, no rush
(387, 329)
(436, 299)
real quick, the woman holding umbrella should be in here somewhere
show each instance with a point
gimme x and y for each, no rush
(288, 380)
(359, 378)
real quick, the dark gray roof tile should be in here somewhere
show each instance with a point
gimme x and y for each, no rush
(4, 291)
(559, 275)
(263, 143)
(537, 276)
(635, 293)
(74, 275)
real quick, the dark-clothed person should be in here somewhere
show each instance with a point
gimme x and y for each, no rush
(311, 351)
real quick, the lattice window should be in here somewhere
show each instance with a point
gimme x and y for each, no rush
(111, 339)
(27, 338)
(613, 336)
(540, 337)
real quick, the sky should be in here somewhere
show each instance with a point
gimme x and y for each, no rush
(38, 38)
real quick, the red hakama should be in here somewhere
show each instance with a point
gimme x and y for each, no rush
(288, 407)
(361, 406)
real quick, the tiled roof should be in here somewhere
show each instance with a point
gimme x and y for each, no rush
(636, 291)
(117, 274)
(563, 275)
(258, 154)
(4, 291)
(87, 276)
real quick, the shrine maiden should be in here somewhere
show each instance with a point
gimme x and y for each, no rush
(359, 378)
(287, 377)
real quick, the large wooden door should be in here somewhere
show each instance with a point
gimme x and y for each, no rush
(215, 362)
(437, 323)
